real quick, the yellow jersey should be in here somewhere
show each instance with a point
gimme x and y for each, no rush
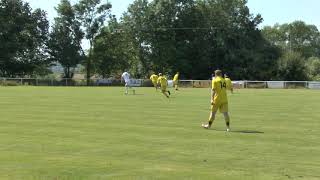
(219, 86)
(162, 81)
(176, 77)
(229, 83)
(154, 78)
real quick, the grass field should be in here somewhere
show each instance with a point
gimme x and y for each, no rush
(54, 133)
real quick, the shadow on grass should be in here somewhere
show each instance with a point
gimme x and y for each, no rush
(241, 131)
(248, 132)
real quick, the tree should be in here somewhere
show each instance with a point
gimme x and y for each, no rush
(292, 67)
(313, 65)
(23, 37)
(136, 24)
(296, 36)
(92, 15)
(113, 50)
(65, 39)
(196, 37)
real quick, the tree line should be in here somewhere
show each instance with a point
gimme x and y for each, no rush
(193, 37)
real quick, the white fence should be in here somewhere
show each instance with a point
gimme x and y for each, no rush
(147, 83)
(256, 84)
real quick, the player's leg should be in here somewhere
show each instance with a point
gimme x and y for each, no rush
(155, 85)
(175, 85)
(126, 88)
(164, 91)
(129, 86)
(227, 119)
(132, 88)
(224, 110)
(212, 116)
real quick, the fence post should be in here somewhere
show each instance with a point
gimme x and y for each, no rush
(66, 81)
(36, 81)
(21, 83)
(266, 85)
(307, 84)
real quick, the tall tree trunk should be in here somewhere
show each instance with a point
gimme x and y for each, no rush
(68, 72)
(89, 65)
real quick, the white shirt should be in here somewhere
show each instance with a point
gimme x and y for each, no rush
(126, 77)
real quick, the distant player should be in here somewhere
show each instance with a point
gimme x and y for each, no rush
(154, 80)
(126, 77)
(229, 83)
(219, 100)
(163, 84)
(176, 81)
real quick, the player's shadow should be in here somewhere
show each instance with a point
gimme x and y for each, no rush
(248, 132)
(242, 131)
(135, 94)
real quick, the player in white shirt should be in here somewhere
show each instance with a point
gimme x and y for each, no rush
(126, 77)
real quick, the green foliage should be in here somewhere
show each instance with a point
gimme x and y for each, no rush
(313, 65)
(113, 50)
(92, 15)
(196, 37)
(297, 36)
(135, 23)
(292, 67)
(65, 39)
(298, 42)
(23, 37)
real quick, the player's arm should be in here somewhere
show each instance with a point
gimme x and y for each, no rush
(213, 91)
(212, 95)
(231, 85)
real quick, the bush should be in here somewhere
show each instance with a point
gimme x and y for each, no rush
(10, 83)
(313, 65)
(292, 67)
(147, 83)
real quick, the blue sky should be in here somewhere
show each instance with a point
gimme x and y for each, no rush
(272, 11)
(285, 11)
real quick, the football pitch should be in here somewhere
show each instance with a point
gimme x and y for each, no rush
(59, 133)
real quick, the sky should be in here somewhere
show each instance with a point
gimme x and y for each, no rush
(286, 11)
(272, 11)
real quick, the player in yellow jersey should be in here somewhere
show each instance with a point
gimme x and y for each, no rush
(176, 81)
(154, 80)
(219, 100)
(162, 80)
(229, 83)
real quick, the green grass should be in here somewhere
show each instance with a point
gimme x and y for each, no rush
(99, 133)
